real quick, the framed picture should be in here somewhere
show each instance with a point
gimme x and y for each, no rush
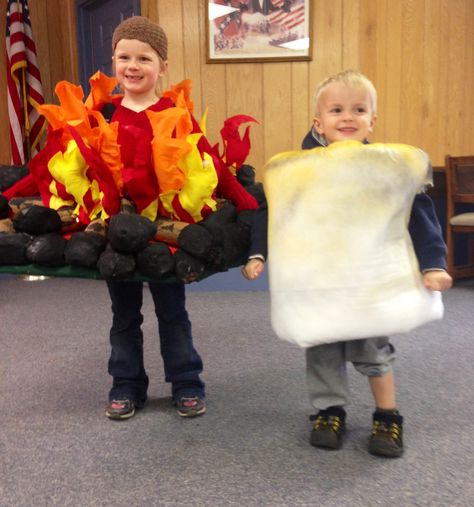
(258, 30)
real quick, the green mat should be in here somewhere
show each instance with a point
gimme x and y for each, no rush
(80, 272)
(63, 271)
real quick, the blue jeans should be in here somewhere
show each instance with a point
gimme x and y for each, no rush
(182, 363)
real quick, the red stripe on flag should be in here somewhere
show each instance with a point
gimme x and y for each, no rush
(293, 18)
(23, 84)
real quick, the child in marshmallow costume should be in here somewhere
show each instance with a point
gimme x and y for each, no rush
(345, 115)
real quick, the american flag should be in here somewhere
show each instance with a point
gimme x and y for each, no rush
(25, 92)
(290, 15)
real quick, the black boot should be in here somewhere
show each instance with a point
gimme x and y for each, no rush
(329, 427)
(387, 434)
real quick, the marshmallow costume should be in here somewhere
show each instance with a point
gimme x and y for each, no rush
(341, 261)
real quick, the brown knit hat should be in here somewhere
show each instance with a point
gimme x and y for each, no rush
(144, 30)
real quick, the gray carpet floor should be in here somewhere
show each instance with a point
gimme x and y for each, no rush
(251, 447)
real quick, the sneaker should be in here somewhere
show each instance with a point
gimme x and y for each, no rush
(387, 435)
(120, 409)
(190, 406)
(329, 427)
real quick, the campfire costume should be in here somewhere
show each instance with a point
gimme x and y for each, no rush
(160, 161)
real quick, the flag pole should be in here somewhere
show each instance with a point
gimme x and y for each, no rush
(25, 104)
(25, 114)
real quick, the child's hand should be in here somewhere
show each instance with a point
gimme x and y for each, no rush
(253, 269)
(437, 280)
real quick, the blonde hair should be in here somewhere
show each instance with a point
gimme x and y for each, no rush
(349, 78)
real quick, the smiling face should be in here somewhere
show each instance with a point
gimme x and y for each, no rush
(344, 113)
(137, 67)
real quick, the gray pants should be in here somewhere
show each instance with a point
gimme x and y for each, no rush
(326, 369)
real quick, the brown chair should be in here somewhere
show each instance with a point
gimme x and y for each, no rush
(460, 193)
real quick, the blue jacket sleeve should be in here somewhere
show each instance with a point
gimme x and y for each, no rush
(258, 234)
(426, 234)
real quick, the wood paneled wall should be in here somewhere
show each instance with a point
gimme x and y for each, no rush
(419, 54)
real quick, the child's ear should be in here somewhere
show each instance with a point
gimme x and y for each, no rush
(317, 125)
(372, 123)
(163, 68)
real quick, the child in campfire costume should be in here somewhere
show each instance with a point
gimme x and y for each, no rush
(346, 111)
(153, 154)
